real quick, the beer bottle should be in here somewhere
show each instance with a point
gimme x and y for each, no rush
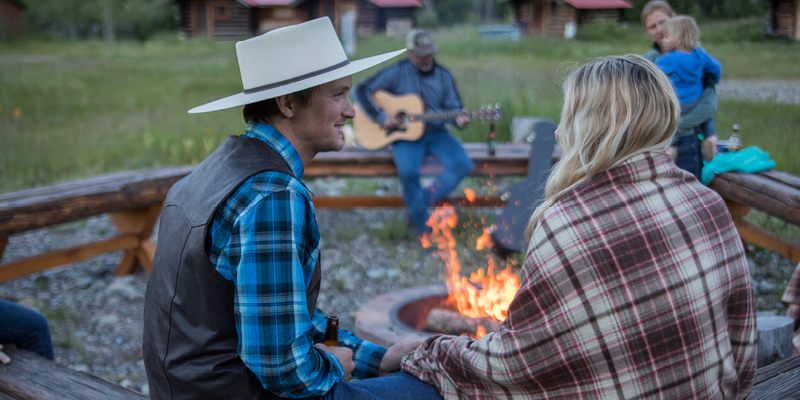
(331, 338)
(491, 145)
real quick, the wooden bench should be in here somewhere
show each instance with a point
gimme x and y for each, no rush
(133, 201)
(30, 376)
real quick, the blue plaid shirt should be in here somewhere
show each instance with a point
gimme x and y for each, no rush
(265, 239)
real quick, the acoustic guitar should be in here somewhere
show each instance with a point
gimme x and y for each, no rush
(410, 111)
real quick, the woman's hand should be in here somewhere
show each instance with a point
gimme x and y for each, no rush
(3, 357)
(391, 360)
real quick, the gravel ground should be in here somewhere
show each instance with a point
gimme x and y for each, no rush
(785, 92)
(96, 317)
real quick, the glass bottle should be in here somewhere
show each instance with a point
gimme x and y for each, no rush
(491, 141)
(734, 144)
(331, 338)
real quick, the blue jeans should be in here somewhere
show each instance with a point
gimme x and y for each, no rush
(26, 328)
(408, 158)
(399, 386)
(690, 156)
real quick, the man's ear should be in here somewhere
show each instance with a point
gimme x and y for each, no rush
(286, 106)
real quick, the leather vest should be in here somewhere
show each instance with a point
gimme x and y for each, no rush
(190, 339)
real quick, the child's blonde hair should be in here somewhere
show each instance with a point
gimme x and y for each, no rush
(614, 109)
(683, 32)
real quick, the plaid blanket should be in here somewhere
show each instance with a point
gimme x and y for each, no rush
(635, 286)
(792, 298)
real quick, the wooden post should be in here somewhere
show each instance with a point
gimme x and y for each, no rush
(140, 223)
(3, 243)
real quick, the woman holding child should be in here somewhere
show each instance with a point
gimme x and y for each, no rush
(700, 117)
(635, 283)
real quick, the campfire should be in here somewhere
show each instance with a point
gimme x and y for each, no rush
(481, 300)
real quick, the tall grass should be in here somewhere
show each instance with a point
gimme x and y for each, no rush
(70, 110)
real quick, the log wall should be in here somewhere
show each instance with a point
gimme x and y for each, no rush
(12, 19)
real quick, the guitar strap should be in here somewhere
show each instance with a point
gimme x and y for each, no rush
(508, 234)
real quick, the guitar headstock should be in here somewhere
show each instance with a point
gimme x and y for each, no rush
(488, 113)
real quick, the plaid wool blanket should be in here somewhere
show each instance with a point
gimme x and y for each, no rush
(635, 286)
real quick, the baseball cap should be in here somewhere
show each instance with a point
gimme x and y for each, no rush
(421, 42)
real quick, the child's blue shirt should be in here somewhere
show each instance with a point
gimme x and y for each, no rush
(686, 70)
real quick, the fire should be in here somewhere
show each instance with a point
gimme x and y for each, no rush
(481, 332)
(485, 293)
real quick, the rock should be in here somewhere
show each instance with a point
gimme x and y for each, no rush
(376, 273)
(765, 287)
(80, 368)
(84, 283)
(754, 272)
(108, 319)
(29, 302)
(126, 383)
(145, 389)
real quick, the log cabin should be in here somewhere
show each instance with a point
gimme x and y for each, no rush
(239, 19)
(12, 18)
(551, 18)
(784, 19)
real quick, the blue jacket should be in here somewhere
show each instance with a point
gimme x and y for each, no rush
(437, 90)
(686, 70)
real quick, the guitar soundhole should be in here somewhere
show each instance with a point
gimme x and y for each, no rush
(401, 116)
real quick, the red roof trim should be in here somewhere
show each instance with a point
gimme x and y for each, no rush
(599, 4)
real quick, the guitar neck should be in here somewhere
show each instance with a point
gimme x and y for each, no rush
(441, 116)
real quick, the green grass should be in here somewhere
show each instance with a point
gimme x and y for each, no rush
(70, 110)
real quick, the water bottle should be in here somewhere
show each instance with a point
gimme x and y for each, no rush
(734, 144)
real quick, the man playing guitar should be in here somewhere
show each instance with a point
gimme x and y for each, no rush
(422, 76)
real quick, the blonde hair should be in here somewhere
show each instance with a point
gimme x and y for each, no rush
(654, 6)
(683, 32)
(614, 108)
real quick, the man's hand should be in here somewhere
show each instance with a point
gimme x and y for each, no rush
(3, 357)
(391, 360)
(345, 357)
(463, 119)
(390, 122)
(709, 148)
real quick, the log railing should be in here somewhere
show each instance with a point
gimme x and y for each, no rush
(133, 201)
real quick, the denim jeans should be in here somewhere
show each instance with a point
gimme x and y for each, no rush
(690, 156)
(26, 328)
(399, 386)
(408, 158)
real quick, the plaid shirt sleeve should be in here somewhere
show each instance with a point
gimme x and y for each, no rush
(635, 286)
(265, 239)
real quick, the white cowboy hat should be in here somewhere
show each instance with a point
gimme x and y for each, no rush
(291, 59)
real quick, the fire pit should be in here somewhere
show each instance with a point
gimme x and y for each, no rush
(392, 317)
(415, 313)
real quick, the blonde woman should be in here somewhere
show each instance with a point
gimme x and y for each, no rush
(635, 283)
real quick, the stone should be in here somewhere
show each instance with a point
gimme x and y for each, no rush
(29, 302)
(108, 319)
(84, 282)
(126, 383)
(376, 273)
(765, 287)
(80, 368)
(774, 339)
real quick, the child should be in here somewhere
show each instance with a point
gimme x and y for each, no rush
(685, 64)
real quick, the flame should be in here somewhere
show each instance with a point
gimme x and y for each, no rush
(481, 332)
(484, 293)
(470, 194)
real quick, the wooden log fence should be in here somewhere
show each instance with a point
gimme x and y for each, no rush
(133, 200)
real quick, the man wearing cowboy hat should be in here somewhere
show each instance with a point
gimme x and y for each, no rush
(230, 304)
(422, 76)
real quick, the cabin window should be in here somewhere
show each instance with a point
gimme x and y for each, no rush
(222, 10)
